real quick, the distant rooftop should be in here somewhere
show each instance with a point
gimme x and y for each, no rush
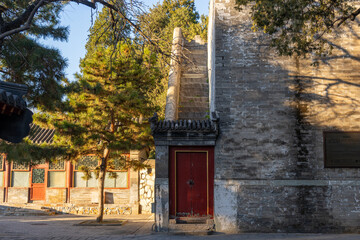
(41, 135)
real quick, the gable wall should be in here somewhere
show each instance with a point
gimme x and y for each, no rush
(269, 164)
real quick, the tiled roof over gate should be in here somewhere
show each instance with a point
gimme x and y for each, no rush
(203, 126)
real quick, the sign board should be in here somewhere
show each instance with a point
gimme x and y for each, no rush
(342, 149)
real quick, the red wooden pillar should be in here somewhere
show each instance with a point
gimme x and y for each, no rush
(7, 182)
(69, 176)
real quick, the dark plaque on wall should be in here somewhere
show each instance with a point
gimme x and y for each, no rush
(342, 149)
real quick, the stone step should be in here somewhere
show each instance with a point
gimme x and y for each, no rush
(200, 84)
(193, 109)
(192, 220)
(195, 71)
(194, 75)
(194, 92)
(194, 80)
(201, 100)
(29, 213)
(194, 103)
(192, 229)
(194, 68)
(193, 115)
(198, 59)
(194, 86)
(194, 45)
(189, 50)
(39, 207)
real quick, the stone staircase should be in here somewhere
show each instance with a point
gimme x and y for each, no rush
(194, 84)
(25, 210)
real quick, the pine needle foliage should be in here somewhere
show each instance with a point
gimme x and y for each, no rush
(300, 27)
(24, 60)
(159, 23)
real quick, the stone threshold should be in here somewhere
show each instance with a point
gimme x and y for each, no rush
(191, 227)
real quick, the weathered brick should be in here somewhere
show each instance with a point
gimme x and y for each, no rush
(273, 111)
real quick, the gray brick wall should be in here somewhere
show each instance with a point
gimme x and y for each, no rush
(273, 111)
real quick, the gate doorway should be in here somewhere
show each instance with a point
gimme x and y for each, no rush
(38, 184)
(191, 179)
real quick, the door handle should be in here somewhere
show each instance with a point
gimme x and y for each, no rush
(190, 182)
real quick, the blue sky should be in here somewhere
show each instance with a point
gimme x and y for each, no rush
(78, 18)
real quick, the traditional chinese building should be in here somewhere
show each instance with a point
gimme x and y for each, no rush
(61, 186)
(254, 142)
(15, 117)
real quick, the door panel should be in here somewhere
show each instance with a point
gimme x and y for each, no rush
(199, 189)
(191, 181)
(183, 190)
(37, 184)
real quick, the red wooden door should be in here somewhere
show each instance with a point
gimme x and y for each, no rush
(38, 182)
(191, 182)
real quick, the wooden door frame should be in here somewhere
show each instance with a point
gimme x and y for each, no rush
(44, 166)
(209, 150)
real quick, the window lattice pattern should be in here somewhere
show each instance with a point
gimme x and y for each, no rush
(20, 166)
(120, 163)
(38, 175)
(89, 161)
(58, 165)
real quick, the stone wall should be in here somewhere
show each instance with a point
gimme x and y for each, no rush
(56, 195)
(146, 187)
(116, 198)
(80, 196)
(18, 195)
(269, 163)
(2, 194)
(109, 209)
(85, 201)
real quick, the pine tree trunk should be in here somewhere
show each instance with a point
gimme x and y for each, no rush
(101, 185)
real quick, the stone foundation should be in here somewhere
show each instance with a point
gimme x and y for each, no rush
(93, 210)
(56, 195)
(18, 195)
(287, 206)
(2, 194)
(86, 195)
(147, 188)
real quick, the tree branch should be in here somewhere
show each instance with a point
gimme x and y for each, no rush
(23, 22)
(352, 17)
(112, 7)
(26, 19)
(86, 3)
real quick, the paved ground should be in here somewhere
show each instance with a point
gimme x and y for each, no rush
(138, 227)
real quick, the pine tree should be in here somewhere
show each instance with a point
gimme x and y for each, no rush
(23, 60)
(105, 108)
